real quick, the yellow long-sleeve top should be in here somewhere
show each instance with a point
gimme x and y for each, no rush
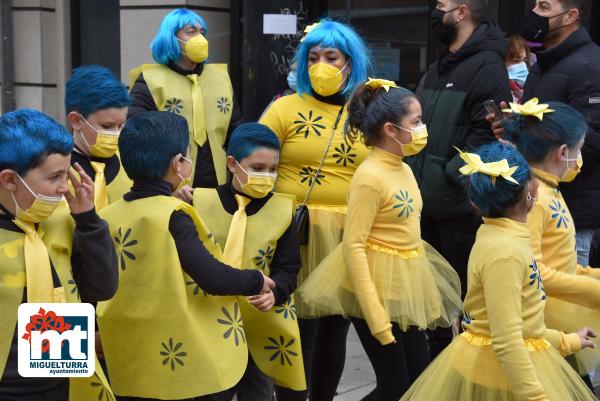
(384, 208)
(304, 126)
(553, 243)
(505, 302)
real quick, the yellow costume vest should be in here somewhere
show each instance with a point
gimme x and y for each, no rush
(57, 234)
(205, 100)
(162, 336)
(273, 336)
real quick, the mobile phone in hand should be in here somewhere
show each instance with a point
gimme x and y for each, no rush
(492, 108)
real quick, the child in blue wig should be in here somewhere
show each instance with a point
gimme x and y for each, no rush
(506, 352)
(54, 247)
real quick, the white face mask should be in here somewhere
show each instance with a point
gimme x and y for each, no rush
(42, 207)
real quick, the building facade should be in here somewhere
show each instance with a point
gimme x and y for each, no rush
(44, 39)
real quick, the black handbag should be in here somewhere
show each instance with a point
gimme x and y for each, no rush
(301, 217)
(301, 221)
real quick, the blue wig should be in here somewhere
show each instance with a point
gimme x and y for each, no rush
(27, 137)
(493, 199)
(149, 141)
(342, 37)
(165, 47)
(246, 138)
(92, 88)
(535, 138)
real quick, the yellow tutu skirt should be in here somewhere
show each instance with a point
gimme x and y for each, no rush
(416, 288)
(325, 232)
(470, 371)
(569, 317)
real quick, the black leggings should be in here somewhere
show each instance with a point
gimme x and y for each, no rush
(396, 366)
(324, 352)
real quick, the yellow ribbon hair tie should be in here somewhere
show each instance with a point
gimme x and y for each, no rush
(381, 83)
(493, 169)
(308, 29)
(530, 108)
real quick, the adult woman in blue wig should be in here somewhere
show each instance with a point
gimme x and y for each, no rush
(317, 163)
(181, 82)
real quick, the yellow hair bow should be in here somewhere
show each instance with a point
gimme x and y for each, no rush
(309, 28)
(381, 83)
(530, 108)
(493, 169)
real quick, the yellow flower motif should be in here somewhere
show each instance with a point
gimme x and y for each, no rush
(11, 249)
(309, 28)
(530, 108)
(16, 280)
(493, 169)
(381, 83)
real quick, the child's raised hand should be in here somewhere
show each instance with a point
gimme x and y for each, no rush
(83, 200)
(186, 193)
(584, 335)
(263, 302)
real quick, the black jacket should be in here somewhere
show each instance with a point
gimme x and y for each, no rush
(452, 95)
(570, 73)
(141, 100)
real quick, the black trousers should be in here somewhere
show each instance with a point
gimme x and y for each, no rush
(454, 239)
(397, 365)
(59, 393)
(324, 352)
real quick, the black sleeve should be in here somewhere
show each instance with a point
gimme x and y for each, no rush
(237, 118)
(286, 264)
(140, 98)
(211, 275)
(584, 96)
(94, 260)
(490, 83)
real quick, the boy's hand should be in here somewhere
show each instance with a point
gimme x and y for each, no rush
(83, 200)
(263, 302)
(584, 336)
(268, 284)
(186, 194)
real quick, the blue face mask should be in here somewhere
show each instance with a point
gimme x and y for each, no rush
(518, 72)
(292, 81)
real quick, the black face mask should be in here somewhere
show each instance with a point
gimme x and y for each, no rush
(445, 33)
(535, 27)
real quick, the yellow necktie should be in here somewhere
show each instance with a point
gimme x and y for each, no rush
(100, 194)
(40, 287)
(199, 128)
(234, 247)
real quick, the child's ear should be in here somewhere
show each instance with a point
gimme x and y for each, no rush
(231, 164)
(7, 180)
(176, 163)
(74, 120)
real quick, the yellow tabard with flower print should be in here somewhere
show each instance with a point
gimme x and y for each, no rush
(304, 125)
(163, 337)
(205, 100)
(273, 336)
(57, 234)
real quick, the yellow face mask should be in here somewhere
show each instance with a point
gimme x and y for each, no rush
(107, 142)
(419, 137)
(571, 173)
(326, 79)
(259, 185)
(42, 207)
(196, 48)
